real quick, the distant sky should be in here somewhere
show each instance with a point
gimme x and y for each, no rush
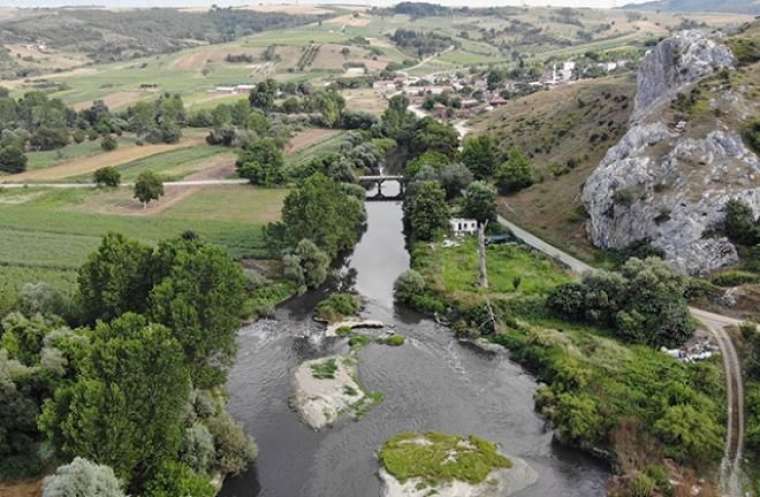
(196, 3)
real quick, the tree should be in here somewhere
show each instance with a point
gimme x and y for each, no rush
(454, 178)
(740, 223)
(263, 96)
(426, 214)
(435, 160)
(148, 187)
(12, 159)
(307, 266)
(480, 154)
(174, 479)
(125, 407)
(107, 176)
(234, 449)
(115, 279)
(431, 134)
(409, 285)
(200, 295)
(108, 143)
(82, 478)
(515, 173)
(47, 138)
(262, 163)
(321, 211)
(480, 202)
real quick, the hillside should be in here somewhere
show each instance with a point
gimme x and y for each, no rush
(48, 40)
(566, 132)
(751, 7)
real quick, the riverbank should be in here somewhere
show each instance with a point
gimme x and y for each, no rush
(627, 404)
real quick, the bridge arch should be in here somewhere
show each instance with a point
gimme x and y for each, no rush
(377, 181)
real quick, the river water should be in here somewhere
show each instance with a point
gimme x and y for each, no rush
(432, 383)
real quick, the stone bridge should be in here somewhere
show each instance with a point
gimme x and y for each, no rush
(377, 182)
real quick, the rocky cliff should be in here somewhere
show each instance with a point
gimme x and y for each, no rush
(668, 179)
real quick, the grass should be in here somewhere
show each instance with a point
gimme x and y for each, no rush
(394, 340)
(511, 269)
(324, 370)
(437, 457)
(49, 158)
(337, 307)
(172, 165)
(239, 203)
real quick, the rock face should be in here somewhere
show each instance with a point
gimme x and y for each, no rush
(321, 397)
(677, 61)
(668, 182)
(500, 483)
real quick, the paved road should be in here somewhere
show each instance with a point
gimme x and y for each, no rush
(716, 324)
(201, 182)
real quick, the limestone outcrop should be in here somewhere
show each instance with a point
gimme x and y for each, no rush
(668, 179)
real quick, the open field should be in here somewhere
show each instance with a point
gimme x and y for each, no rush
(122, 155)
(73, 151)
(365, 99)
(308, 138)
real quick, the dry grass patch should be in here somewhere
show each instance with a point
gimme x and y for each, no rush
(365, 99)
(25, 488)
(308, 138)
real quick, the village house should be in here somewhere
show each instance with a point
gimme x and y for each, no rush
(463, 226)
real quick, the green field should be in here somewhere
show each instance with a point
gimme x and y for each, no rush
(46, 237)
(49, 158)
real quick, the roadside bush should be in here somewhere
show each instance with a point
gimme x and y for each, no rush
(644, 303)
(107, 176)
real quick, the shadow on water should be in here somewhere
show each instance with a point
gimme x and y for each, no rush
(430, 383)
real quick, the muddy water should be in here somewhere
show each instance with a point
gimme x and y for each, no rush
(430, 383)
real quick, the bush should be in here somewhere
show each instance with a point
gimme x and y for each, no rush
(234, 449)
(740, 224)
(42, 298)
(735, 278)
(82, 478)
(307, 267)
(409, 285)
(395, 340)
(107, 176)
(514, 174)
(109, 143)
(12, 159)
(338, 306)
(175, 479)
(197, 450)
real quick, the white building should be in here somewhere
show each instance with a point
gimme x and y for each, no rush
(462, 226)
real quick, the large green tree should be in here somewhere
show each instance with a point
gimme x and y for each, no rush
(431, 134)
(125, 407)
(322, 211)
(479, 202)
(261, 162)
(515, 173)
(481, 156)
(426, 214)
(148, 187)
(115, 279)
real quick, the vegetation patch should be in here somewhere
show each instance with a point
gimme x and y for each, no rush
(337, 306)
(437, 457)
(324, 370)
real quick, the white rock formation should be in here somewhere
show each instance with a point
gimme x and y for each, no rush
(669, 184)
(500, 483)
(321, 401)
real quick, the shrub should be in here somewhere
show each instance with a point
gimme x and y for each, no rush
(12, 159)
(735, 278)
(395, 340)
(42, 298)
(338, 306)
(197, 450)
(82, 478)
(514, 174)
(109, 143)
(234, 449)
(408, 285)
(175, 479)
(107, 176)
(740, 224)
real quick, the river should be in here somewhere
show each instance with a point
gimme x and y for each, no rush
(431, 383)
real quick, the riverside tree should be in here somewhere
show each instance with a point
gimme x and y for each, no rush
(82, 478)
(148, 187)
(322, 211)
(426, 214)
